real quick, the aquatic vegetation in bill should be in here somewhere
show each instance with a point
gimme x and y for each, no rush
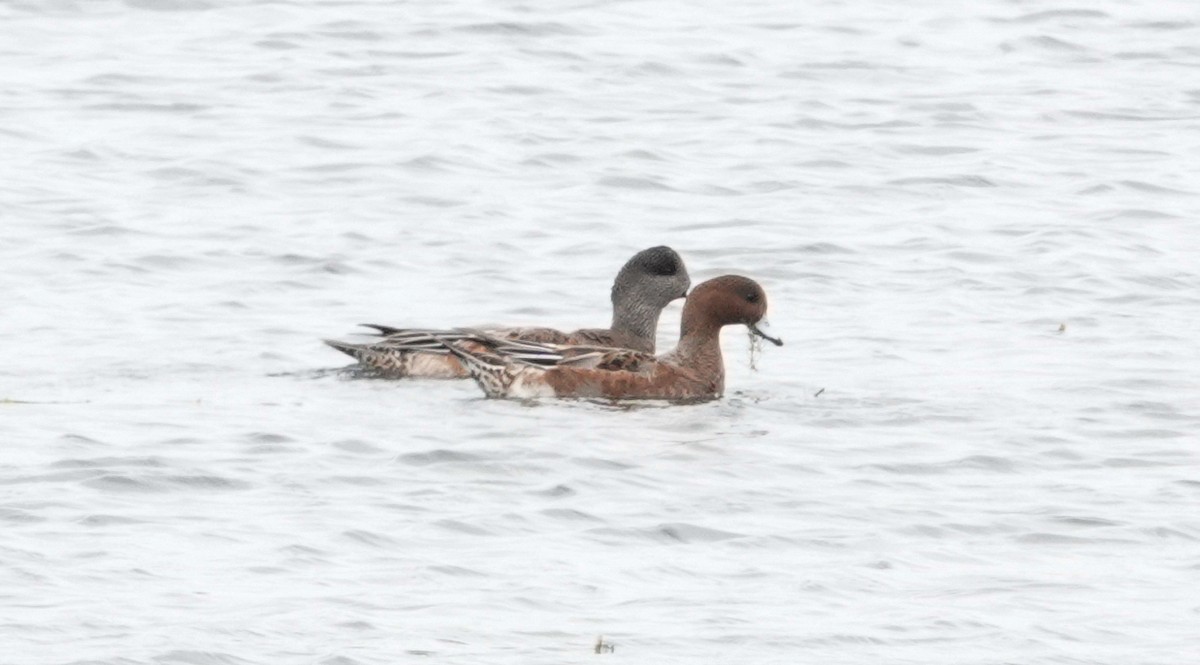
(756, 347)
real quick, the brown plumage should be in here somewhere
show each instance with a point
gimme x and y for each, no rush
(694, 369)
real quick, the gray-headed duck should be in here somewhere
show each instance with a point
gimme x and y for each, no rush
(646, 284)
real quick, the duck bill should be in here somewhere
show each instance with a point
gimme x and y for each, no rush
(757, 332)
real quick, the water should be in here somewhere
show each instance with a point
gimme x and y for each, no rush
(975, 226)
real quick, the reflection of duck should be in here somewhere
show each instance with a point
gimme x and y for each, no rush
(645, 285)
(694, 369)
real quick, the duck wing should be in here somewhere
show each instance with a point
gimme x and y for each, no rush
(580, 356)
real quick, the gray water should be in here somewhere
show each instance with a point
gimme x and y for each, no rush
(975, 223)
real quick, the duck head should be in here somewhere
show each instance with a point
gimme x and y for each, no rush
(727, 300)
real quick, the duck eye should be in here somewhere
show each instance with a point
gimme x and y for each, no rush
(661, 261)
(664, 268)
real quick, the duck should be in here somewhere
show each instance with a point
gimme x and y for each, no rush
(693, 370)
(646, 284)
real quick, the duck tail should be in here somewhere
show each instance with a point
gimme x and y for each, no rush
(352, 350)
(383, 331)
(389, 362)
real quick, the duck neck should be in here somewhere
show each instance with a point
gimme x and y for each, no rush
(699, 340)
(637, 319)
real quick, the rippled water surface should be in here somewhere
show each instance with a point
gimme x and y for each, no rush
(975, 223)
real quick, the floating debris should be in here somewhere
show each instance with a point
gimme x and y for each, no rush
(604, 647)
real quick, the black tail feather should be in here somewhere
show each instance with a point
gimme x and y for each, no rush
(383, 330)
(348, 349)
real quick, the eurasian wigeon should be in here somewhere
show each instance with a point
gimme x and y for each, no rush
(694, 370)
(646, 284)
